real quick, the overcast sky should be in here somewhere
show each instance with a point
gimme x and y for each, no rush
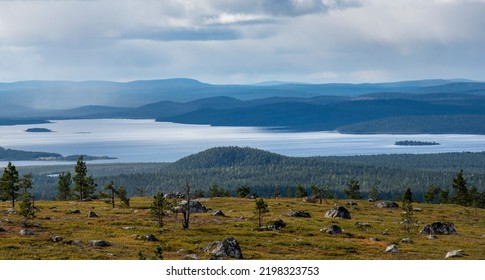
(246, 41)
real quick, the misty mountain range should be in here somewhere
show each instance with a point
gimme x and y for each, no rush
(425, 106)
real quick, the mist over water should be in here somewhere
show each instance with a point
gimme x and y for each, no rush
(150, 141)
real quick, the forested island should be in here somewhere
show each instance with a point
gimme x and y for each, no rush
(12, 155)
(38, 129)
(415, 143)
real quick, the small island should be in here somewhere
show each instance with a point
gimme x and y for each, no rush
(415, 143)
(38, 129)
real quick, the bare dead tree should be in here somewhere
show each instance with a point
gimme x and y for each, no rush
(186, 210)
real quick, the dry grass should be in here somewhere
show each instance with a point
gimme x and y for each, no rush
(301, 239)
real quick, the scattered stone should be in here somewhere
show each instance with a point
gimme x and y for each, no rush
(439, 228)
(111, 255)
(431, 237)
(418, 209)
(74, 242)
(45, 218)
(407, 240)
(91, 214)
(278, 224)
(37, 225)
(129, 227)
(174, 195)
(338, 212)
(195, 207)
(454, 254)
(218, 213)
(99, 243)
(299, 214)
(180, 251)
(52, 207)
(372, 200)
(310, 199)
(7, 221)
(374, 239)
(392, 249)
(26, 232)
(76, 211)
(56, 238)
(2, 229)
(151, 238)
(387, 204)
(333, 229)
(352, 203)
(191, 257)
(228, 247)
(362, 225)
(10, 211)
(385, 233)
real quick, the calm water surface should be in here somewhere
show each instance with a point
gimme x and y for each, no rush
(150, 141)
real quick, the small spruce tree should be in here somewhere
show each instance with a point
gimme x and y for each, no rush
(26, 208)
(260, 210)
(158, 207)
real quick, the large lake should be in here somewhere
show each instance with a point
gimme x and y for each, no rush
(150, 141)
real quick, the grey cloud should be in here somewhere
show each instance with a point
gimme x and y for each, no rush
(184, 34)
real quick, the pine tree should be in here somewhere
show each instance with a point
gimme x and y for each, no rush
(122, 195)
(408, 196)
(64, 186)
(300, 191)
(353, 189)
(408, 220)
(460, 189)
(10, 183)
(158, 207)
(260, 210)
(84, 185)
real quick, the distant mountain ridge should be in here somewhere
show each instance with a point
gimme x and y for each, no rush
(423, 106)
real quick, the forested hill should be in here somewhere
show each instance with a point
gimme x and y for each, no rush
(223, 157)
(265, 172)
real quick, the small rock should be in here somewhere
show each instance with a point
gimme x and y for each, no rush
(333, 229)
(439, 228)
(228, 247)
(26, 232)
(387, 204)
(99, 243)
(352, 203)
(392, 249)
(37, 225)
(373, 239)
(91, 214)
(407, 240)
(417, 209)
(151, 238)
(129, 227)
(191, 257)
(76, 211)
(218, 213)
(362, 225)
(299, 214)
(2, 230)
(111, 255)
(454, 254)
(338, 212)
(52, 207)
(431, 237)
(10, 211)
(310, 199)
(74, 242)
(56, 238)
(180, 251)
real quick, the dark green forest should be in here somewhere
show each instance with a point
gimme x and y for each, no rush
(267, 174)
